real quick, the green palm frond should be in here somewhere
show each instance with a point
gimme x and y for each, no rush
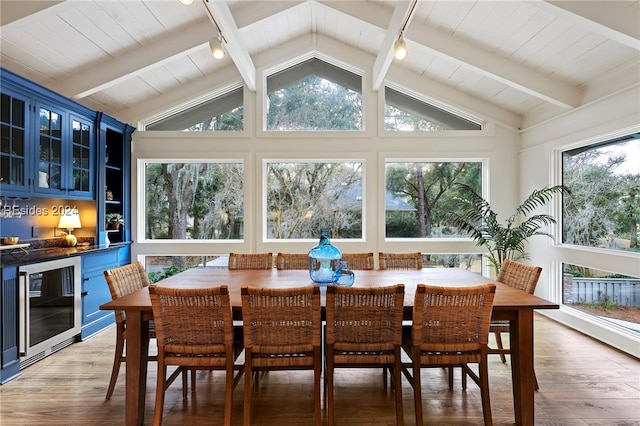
(475, 217)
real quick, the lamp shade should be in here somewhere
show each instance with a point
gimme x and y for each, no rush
(70, 221)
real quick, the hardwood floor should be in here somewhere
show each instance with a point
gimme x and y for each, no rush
(582, 382)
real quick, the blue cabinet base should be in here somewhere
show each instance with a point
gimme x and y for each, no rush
(97, 326)
(9, 371)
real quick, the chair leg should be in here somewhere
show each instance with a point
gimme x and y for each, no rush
(463, 371)
(500, 347)
(484, 392)
(384, 378)
(160, 389)
(330, 401)
(417, 392)
(317, 374)
(117, 360)
(397, 382)
(248, 381)
(228, 395)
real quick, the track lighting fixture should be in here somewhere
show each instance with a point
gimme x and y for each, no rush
(400, 48)
(217, 50)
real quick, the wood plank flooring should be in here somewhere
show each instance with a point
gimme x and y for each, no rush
(582, 382)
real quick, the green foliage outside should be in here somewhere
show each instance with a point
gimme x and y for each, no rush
(154, 277)
(604, 209)
(314, 104)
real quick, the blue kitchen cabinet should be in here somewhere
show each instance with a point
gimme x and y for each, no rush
(95, 290)
(9, 350)
(48, 142)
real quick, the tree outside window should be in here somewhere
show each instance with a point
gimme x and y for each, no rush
(604, 207)
(194, 201)
(420, 195)
(304, 197)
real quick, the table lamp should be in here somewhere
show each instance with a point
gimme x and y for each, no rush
(70, 221)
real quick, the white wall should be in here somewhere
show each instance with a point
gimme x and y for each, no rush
(539, 163)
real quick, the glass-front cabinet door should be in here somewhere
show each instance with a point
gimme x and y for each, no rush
(47, 143)
(81, 155)
(50, 149)
(13, 135)
(65, 149)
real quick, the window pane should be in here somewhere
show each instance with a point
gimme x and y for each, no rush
(419, 197)
(304, 197)
(201, 201)
(314, 96)
(470, 262)
(603, 209)
(223, 113)
(613, 297)
(160, 267)
(405, 113)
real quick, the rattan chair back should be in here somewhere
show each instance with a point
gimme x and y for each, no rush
(282, 331)
(122, 281)
(359, 261)
(194, 329)
(292, 261)
(364, 329)
(125, 280)
(399, 261)
(518, 275)
(450, 328)
(250, 261)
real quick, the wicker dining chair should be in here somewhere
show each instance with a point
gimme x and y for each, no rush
(364, 329)
(122, 281)
(292, 261)
(400, 260)
(450, 329)
(282, 331)
(520, 276)
(250, 261)
(359, 261)
(194, 328)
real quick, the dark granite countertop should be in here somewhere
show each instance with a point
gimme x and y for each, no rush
(18, 257)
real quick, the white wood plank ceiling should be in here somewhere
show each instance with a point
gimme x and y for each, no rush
(519, 62)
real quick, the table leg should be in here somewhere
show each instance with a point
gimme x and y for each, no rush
(137, 350)
(521, 336)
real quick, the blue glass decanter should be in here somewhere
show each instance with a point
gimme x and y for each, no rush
(324, 259)
(344, 276)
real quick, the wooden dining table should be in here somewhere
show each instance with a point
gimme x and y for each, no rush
(509, 304)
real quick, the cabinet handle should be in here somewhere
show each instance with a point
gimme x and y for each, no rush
(23, 337)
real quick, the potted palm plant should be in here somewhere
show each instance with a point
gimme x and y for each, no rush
(475, 216)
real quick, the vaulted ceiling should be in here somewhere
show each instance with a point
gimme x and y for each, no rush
(516, 62)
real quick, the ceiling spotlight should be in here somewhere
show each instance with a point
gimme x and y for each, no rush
(216, 47)
(186, 2)
(400, 48)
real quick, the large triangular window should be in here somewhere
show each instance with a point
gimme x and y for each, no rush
(314, 96)
(222, 113)
(405, 113)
